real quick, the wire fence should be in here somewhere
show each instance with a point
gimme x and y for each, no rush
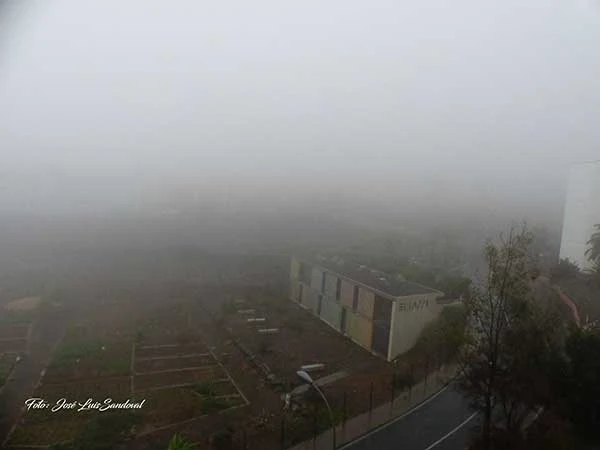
(356, 409)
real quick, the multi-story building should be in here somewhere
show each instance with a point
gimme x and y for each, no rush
(381, 313)
(582, 212)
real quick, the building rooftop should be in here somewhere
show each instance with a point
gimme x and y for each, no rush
(393, 285)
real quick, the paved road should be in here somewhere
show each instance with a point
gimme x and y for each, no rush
(443, 423)
(46, 333)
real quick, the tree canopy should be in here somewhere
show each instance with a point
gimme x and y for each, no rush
(593, 250)
(503, 361)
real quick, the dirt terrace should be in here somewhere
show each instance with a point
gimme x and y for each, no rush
(301, 339)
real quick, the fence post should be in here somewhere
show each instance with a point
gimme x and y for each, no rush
(314, 426)
(370, 402)
(344, 418)
(393, 393)
(410, 386)
(426, 374)
(283, 433)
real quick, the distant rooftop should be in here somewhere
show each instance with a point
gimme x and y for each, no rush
(394, 285)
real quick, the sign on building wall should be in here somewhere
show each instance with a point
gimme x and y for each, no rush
(413, 305)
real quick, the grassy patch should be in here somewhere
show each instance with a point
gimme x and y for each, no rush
(68, 352)
(211, 404)
(116, 367)
(93, 357)
(205, 389)
(16, 318)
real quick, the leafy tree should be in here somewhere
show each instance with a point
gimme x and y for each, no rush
(493, 310)
(531, 347)
(446, 334)
(593, 251)
(564, 270)
(455, 286)
(543, 247)
(577, 383)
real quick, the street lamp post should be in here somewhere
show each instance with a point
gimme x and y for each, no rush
(308, 379)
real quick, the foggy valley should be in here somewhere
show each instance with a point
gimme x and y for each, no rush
(299, 225)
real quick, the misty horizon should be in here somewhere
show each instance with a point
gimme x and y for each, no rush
(428, 104)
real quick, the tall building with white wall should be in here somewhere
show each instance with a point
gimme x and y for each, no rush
(582, 212)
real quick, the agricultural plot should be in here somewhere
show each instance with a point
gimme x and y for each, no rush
(166, 351)
(173, 366)
(15, 316)
(83, 367)
(177, 374)
(181, 404)
(182, 377)
(47, 432)
(13, 341)
(19, 331)
(154, 364)
(13, 345)
(116, 388)
(295, 338)
(80, 360)
(7, 362)
(287, 337)
(44, 426)
(13, 338)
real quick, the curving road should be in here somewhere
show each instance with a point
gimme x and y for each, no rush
(444, 422)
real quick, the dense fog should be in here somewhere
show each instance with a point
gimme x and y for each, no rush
(269, 125)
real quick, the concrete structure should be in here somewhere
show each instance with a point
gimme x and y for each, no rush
(381, 313)
(582, 212)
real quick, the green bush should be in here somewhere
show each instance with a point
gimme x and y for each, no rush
(446, 334)
(205, 388)
(403, 380)
(68, 352)
(16, 318)
(211, 404)
(178, 442)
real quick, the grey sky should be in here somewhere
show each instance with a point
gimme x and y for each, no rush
(121, 102)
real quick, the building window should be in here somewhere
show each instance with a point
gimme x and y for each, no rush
(323, 281)
(343, 321)
(355, 300)
(338, 290)
(304, 273)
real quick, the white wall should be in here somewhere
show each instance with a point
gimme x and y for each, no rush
(409, 317)
(582, 212)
